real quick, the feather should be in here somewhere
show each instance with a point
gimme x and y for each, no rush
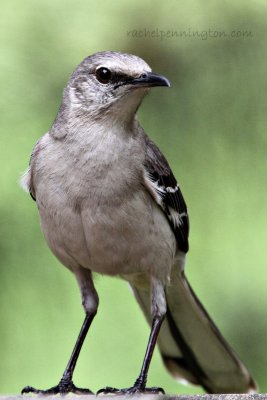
(163, 187)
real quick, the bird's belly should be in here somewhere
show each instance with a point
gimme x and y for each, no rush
(125, 239)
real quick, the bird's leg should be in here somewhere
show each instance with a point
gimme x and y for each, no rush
(140, 383)
(158, 311)
(66, 385)
(90, 303)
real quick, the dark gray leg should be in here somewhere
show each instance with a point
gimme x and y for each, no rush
(90, 303)
(158, 301)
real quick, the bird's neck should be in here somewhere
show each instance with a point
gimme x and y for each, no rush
(119, 115)
(78, 124)
(88, 134)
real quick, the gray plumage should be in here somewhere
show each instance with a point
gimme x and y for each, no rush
(109, 203)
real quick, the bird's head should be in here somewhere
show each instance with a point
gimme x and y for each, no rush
(111, 84)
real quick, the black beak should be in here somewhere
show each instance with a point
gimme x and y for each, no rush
(150, 79)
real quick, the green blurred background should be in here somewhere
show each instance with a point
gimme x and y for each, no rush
(211, 125)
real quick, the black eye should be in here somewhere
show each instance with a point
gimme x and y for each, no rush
(103, 75)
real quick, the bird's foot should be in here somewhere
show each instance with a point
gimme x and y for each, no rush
(135, 389)
(64, 387)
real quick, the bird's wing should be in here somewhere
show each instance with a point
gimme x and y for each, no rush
(163, 187)
(26, 180)
(31, 188)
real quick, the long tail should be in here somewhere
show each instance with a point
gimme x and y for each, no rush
(192, 347)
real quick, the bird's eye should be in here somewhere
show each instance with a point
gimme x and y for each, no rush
(103, 75)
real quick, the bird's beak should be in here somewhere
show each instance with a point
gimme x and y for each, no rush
(150, 79)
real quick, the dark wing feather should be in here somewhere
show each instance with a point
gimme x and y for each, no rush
(165, 190)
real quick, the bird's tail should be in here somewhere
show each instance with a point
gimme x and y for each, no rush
(191, 346)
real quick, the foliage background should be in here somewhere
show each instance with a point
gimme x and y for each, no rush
(212, 127)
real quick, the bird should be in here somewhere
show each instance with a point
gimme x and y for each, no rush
(109, 204)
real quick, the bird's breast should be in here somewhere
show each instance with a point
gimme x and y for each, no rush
(95, 212)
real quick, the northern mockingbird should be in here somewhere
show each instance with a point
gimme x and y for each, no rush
(109, 203)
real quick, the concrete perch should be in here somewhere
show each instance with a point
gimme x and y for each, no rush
(147, 397)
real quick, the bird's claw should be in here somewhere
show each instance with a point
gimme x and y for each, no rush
(64, 387)
(136, 389)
